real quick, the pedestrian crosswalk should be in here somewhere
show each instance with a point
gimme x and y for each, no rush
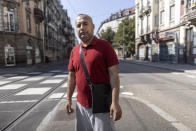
(33, 85)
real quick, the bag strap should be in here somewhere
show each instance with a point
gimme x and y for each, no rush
(84, 66)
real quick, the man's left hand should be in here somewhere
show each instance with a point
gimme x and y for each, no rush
(115, 112)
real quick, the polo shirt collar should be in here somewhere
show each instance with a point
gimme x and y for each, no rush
(93, 42)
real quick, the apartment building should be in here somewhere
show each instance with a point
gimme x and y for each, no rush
(189, 32)
(59, 37)
(113, 22)
(31, 32)
(115, 19)
(160, 34)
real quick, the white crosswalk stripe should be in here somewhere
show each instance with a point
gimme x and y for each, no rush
(56, 96)
(127, 93)
(37, 78)
(190, 76)
(4, 82)
(12, 86)
(10, 102)
(52, 81)
(64, 85)
(34, 91)
(56, 71)
(57, 76)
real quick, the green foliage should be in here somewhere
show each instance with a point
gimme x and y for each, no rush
(129, 35)
(108, 35)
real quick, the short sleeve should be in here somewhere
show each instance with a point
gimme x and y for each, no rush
(110, 55)
(70, 66)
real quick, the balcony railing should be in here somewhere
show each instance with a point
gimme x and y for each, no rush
(191, 15)
(10, 27)
(147, 9)
(38, 15)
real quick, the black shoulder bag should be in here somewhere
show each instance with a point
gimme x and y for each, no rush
(101, 92)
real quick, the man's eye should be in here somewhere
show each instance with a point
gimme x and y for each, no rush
(78, 25)
(85, 23)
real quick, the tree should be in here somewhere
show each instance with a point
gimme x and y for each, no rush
(108, 35)
(129, 36)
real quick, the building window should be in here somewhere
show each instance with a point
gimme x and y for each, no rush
(27, 2)
(162, 17)
(28, 23)
(172, 12)
(36, 3)
(148, 24)
(142, 30)
(156, 20)
(9, 21)
(38, 34)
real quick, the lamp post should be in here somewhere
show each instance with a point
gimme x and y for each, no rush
(123, 43)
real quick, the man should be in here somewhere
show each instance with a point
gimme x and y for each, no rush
(101, 62)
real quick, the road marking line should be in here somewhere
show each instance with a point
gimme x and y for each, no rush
(33, 79)
(64, 85)
(34, 91)
(52, 81)
(176, 73)
(56, 95)
(4, 82)
(127, 93)
(163, 114)
(56, 71)
(121, 87)
(10, 102)
(56, 76)
(190, 76)
(12, 86)
(17, 77)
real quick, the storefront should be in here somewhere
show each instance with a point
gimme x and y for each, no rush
(141, 52)
(9, 56)
(168, 48)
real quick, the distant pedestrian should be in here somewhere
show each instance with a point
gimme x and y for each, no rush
(100, 59)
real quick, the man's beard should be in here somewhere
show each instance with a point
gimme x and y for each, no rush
(86, 37)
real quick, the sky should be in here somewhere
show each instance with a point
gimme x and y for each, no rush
(99, 10)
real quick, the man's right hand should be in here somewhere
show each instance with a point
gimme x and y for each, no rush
(68, 107)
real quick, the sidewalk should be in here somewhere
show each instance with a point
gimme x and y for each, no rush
(188, 68)
(41, 67)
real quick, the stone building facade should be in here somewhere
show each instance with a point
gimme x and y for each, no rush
(24, 35)
(164, 35)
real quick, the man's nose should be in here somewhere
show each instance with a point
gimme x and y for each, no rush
(82, 26)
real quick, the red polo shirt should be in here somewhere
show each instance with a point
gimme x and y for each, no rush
(98, 55)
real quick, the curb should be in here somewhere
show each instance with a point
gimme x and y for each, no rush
(160, 67)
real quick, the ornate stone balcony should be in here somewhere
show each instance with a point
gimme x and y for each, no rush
(38, 13)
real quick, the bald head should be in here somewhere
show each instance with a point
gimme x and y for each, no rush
(84, 27)
(84, 16)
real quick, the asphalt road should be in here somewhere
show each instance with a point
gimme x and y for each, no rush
(152, 99)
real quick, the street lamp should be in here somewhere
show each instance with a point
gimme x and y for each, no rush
(123, 42)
